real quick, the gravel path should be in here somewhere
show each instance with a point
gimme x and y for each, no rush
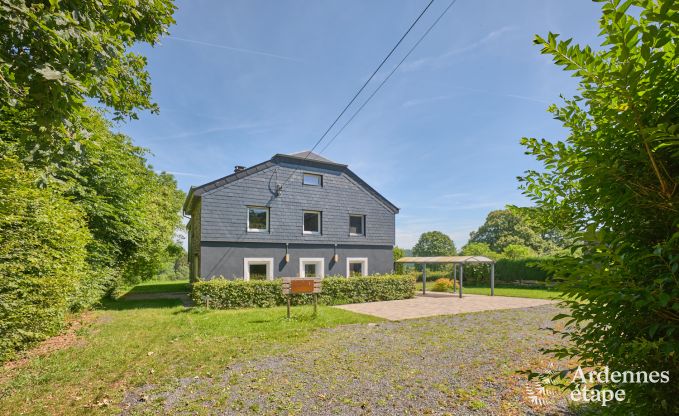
(457, 365)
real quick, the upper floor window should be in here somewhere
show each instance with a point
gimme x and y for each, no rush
(313, 179)
(258, 219)
(356, 224)
(312, 222)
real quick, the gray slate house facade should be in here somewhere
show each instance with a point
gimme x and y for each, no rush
(293, 215)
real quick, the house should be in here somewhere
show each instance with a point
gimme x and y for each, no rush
(293, 215)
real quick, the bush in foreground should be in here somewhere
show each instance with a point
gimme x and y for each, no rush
(229, 294)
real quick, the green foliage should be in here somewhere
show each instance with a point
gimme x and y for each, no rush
(434, 243)
(614, 181)
(398, 253)
(55, 54)
(130, 214)
(518, 251)
(479, 249)
(508, 226)
(117, 215)
(43, 239)
(510, 270)
(229, 294)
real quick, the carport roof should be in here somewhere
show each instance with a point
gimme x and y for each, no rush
(445, 259)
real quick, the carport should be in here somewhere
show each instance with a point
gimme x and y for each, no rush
(458, 262)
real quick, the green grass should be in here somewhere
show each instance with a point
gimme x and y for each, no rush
(132, 343)
(160, 286)
(541, 292)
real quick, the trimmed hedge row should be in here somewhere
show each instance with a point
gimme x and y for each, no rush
(506, 270)
(229, 294)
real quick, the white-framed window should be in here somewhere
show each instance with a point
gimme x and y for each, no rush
(312, 179)
(258, 268)
(258, 219)
(357, 266)
(356, 225)
(312, 222)
(312, 267)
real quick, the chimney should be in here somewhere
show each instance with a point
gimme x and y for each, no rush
(238, 168)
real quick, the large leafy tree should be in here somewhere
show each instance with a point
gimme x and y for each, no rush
(434, 243)
(614, 180)
(55, 54)
(512, 226)
(80, 209)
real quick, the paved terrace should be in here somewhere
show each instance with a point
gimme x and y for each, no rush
(433, 304)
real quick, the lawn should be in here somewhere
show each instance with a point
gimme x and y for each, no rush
(132, 343)
(155, 356)
(511, 291)
(159, 286)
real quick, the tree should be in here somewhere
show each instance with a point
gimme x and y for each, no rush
(54, 55)
(398, 253)
(43, 240)
(518, 251)
(479, 249)
(614, 181)
(434, 243)
(505, 227)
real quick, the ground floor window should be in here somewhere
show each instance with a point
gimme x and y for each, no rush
(258, 268)
(311, 267)
(357, 266)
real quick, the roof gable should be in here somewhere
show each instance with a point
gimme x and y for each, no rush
(301, 158)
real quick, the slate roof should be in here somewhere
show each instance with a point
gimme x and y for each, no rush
(306, 158)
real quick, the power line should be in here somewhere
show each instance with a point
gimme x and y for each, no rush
(389, 76)
(391, 52)
(372, 75)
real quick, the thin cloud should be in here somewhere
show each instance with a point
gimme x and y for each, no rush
(188, 174)
(439, 60)
(423, 101)
(183, 135)
(234, 49)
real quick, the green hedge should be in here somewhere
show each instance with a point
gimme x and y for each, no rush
(228, 294)
(506, 270)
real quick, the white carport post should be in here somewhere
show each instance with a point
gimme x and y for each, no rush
(461, 277)
(492, 279)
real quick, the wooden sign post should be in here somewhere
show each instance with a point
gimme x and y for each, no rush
(301, 285)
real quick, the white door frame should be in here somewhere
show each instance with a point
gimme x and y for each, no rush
(320, 264)
(362, 260)
(247, 261)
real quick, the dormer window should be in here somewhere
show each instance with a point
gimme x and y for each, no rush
(312, 179)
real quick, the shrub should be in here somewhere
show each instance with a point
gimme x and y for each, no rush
(228, 294)
(433, 275)
(43, 240)
(442, 285)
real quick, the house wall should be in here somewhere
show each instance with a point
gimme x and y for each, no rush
(224, 209)
(226, 258)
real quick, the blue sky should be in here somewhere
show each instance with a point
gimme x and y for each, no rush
(239, 81)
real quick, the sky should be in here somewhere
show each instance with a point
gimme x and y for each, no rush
(239, 81)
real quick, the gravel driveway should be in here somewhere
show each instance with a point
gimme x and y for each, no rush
(457, 365)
